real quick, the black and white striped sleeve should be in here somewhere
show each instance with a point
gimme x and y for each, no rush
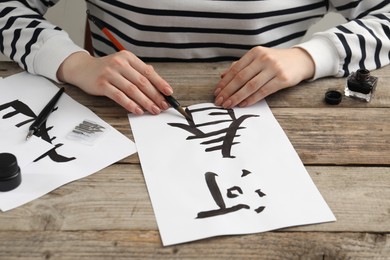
(362, 42)
(27, 38)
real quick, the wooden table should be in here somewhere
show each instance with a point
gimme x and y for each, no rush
(108, 215)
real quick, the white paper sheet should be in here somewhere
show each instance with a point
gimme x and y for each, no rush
(253, 181)
(70, 160)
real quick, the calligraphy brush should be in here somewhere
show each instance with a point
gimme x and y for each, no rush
(170, 99)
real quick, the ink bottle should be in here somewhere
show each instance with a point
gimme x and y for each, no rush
(361, 85)
(10, 176)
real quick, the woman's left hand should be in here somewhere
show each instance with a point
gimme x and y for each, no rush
(261, 72)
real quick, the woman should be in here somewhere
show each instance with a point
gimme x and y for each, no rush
(262, 38)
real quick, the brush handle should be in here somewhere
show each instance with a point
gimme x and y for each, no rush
(172, 101)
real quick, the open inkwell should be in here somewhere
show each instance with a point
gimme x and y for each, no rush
(10, 176)
(361, 85)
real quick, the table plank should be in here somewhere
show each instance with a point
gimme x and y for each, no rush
(194, 83)
(108, 215)
(147, 245)
(347, 136)
(117, 198)
(336, 132)
(190, 91)
(321, 136)
(8, 68)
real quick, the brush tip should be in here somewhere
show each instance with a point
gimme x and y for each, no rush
(184, 113)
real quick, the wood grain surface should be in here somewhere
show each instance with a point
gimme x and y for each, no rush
(108, 215)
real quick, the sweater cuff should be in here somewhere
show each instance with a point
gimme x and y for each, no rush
(324, 55)
(51, 55)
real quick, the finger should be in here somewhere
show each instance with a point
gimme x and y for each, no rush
(231, 72)
(225, 71)
(123, 100)
(147, 95)
(139, 92)
(149, 72)
(153, 86)
(150, 83)
(267, 89)
(251, 87)
(239, 81)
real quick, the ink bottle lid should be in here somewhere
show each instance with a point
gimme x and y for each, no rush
(333, 97)
(361, 85)
(10, 176)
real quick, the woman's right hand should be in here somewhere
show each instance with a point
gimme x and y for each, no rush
(121, 76)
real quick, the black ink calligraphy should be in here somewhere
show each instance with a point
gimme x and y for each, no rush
(21, 108)
(233, 192)
(223, 143)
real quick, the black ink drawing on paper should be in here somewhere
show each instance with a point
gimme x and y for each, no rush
(223, 139)
(21, 108)
(231, 193)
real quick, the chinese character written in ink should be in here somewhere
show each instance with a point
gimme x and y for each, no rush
(21, 108)
(231, 193)
(221, 139)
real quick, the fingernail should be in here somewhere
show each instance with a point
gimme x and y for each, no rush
(164, 105)
(216, 92)
(138, 111)
(168, 91)
(156, 110)
(219, 101)
(227, 104)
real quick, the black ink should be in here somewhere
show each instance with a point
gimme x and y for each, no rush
(231, 194)
(54, 156)
(217, 212)
(223, 143)
(20, 108)
(245, 173)
(261, 194)
(43, 133)
(260, 209)
(217, 196)
(214, 189)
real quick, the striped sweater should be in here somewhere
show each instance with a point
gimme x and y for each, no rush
(204, 30)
